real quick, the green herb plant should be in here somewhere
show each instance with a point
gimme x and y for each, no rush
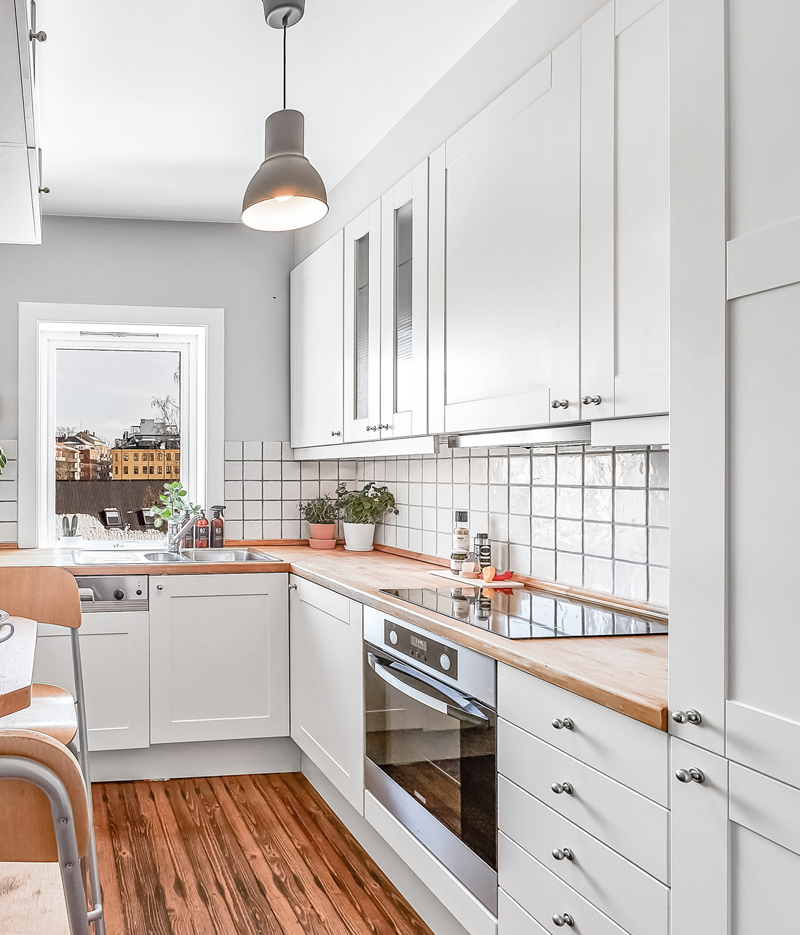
(174, 504)
(320, 510)
(3, 460)
(367, 505)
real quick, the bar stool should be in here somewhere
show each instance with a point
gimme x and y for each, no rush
(44, 815)
(50, 595)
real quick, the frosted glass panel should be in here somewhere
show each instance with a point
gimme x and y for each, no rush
(362, 327)
(403, 347)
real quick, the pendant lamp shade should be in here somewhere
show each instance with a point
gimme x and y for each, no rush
(286, 193)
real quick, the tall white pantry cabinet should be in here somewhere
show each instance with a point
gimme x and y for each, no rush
(734, 292)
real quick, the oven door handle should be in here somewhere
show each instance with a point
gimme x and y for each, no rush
(460, 706)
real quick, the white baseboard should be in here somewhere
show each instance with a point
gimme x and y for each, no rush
(192, 760)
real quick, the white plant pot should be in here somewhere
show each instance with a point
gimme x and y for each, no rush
(358, 536)
(70, 540)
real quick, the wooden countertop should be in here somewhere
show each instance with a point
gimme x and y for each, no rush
(627, 674)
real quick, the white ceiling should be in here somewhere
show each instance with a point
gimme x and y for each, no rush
(156, 108)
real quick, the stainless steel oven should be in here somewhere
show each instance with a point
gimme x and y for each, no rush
(431, 742)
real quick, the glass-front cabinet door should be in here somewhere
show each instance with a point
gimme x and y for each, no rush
(362, 326)
(404, 307)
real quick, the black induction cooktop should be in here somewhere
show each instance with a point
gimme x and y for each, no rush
(521, 614)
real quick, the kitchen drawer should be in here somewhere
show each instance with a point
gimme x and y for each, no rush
(629, 823)
(337, 605)
(543, 895)
(512, 918)
(631, 897)
(627, 750)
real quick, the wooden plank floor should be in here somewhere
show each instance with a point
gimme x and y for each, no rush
(237, 855)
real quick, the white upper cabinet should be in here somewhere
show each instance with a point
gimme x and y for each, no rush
(20, 201)
(625, 211)
(362, 326)
(404, 307)
(505, 257)
(316, 346)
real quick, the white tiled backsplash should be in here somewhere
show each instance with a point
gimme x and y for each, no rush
(8, 494)
(586, 517)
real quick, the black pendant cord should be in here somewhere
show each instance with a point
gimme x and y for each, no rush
(284, 60)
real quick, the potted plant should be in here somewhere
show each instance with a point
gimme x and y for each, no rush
(174, 506)
(321, 514)
(3, 459)
(360, 510)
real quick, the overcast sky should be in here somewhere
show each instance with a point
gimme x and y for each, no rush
(106, 392)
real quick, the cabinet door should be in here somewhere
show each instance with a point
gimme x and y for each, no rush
(735, 849)
(505, 240)
(404, 307)
(316, 346)
(327, 685)
(625, 211)
(362, 326)
(219, 657)
(116, 667)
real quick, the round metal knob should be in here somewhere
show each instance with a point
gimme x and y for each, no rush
(384, 425)
(591, 400)
(38, 36)
(559, 403)
(563, 853)
(372, 428)
(444, 662)
(160, 587)
(690, 775)
(118, 595)
(563, 723)
(44, 191)
(689, 716)
(336, 433)
(565, 787)
(563, 919)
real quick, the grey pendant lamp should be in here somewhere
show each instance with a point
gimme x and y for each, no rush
(287, 192)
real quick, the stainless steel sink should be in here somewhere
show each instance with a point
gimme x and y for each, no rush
(162, 558)
(228, 555)
(135, 557)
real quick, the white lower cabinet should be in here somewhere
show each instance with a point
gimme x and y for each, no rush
(577, 847)
(327, 685)
(116, 664)
(219, 657)
(735, 848)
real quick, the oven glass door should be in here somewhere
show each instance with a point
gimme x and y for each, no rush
(438, 745)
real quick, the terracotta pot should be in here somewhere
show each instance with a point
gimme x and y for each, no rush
(322, 531)
(322, 543)
(358, 536)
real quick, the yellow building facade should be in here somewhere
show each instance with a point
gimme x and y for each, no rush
(145, 464)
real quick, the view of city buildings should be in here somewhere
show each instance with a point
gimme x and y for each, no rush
(149, 450)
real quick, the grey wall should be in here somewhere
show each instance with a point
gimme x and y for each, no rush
(519, 40)
(167, 263)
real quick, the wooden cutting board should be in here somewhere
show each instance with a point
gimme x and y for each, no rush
(477, 582)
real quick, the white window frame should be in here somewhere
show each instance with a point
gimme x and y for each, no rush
(198, 334)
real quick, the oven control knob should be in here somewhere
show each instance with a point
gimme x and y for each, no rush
(444, 662)
(119, 595)
(393, 637)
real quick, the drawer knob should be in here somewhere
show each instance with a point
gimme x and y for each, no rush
(560, 404)
(563, 919)
(159, 587)
(563, 723)
(689, 716)
(563, 853)
(690, 775)
(591, 400)
(565, 787)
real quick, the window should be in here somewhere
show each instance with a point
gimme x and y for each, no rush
(191, 340)
(403, 320)
(125, 456)
(136, 470)
(124, 470)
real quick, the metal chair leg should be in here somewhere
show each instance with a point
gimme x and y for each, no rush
(19, 767)
(96, 914)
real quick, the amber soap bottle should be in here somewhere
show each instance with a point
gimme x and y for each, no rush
(201, 530)
(217, 527)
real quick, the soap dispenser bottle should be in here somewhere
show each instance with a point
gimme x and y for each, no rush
(217, 527)
(201, 530)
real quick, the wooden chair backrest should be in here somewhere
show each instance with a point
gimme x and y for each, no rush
(26, 823)
(47, 595)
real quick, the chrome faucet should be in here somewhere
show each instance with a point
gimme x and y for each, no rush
(174, 539)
